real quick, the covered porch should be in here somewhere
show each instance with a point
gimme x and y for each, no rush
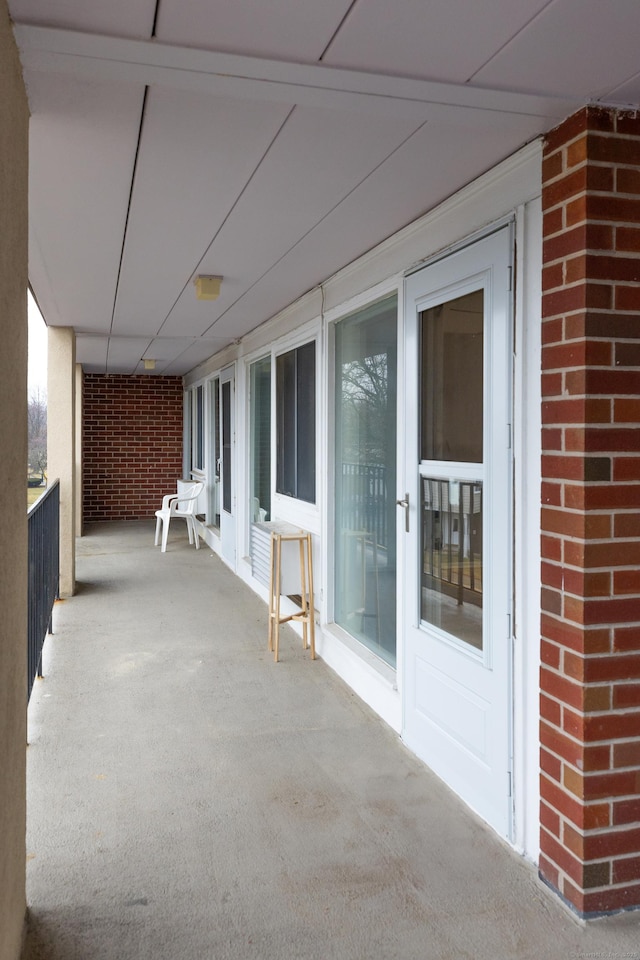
(189, 797)
(205, 199)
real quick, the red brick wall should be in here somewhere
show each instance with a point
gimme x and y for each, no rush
(131, 444)
(590, 678)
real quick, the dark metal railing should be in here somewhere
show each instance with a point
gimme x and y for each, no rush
(364, 500)
(452, 538)
(44, 571)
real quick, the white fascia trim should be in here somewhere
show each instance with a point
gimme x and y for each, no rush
(380, 291)
(84, 54)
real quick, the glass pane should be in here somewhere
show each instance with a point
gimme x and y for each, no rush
(216, 419)
(261, 440)
(452, 381)
(306, 422)
(226, 446)
(213, 516)
(296, 423)
(199, 458)
(286, 416)
(365, 532)
(191, 436)
(452, 573)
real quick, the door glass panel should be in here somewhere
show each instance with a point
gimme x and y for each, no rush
(226, 446)
(365, 472)
(260, 387)
(452, 411)
(452, 381)
(451, 580)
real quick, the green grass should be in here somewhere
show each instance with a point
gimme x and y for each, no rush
(33, 493)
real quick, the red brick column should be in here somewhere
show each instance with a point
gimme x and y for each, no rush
(131, 444)
(590, 517)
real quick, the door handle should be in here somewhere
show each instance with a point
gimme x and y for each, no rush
(405, 504)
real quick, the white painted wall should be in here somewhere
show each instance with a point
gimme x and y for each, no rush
(510, 190)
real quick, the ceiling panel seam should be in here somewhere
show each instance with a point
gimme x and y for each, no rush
(144, 105)
(508, 42)
(235, 203)
(317, 223)
(337, 30)
(155, 18)
(126, 222)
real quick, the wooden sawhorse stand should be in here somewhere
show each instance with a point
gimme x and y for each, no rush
(305, 615)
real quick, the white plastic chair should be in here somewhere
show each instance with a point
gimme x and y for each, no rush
(258, 513)
(179, 505)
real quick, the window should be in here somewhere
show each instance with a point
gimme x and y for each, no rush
(260, 401)
(214, 448)
(226, 445)
(296, 423)
(197, 428)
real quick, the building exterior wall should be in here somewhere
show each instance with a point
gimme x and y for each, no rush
(590, 676)
(13, 464)
(78, 449)
(510, 193)
(132, 444)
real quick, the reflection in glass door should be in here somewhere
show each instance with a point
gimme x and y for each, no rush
(365, 476)
(260, 464)
(451, 594)
(451, 416)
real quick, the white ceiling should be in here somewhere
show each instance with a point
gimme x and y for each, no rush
(272, 142)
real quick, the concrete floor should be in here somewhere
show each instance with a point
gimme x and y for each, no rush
(189, 799)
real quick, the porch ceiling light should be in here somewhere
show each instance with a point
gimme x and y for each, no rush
(207, 288)
(149, 364)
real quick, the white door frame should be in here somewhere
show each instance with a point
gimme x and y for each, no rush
(228, 499)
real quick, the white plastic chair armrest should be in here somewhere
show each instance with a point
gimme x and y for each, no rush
(182, 505)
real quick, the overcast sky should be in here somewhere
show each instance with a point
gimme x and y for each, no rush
(37, 376)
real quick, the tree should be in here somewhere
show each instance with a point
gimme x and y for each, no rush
(365, 399)
(37, 431)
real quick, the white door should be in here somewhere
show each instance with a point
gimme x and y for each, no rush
(227, 466)
(215, 459)
(457, 654)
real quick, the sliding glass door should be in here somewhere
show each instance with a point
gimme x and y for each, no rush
(365, 477)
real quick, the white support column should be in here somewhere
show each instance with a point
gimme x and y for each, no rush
(61, 443)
